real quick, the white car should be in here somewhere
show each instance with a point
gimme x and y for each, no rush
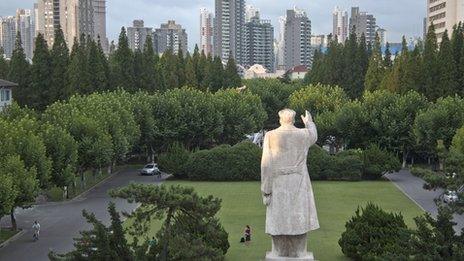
(150, 169)
(450, 196)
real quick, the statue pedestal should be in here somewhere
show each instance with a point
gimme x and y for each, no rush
(272, 257)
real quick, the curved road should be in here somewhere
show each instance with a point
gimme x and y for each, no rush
(412, 186)
(61, 222)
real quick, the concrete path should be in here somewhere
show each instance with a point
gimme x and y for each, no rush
(412, 186)
(61, 222)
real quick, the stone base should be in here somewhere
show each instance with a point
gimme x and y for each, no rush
(272, 257)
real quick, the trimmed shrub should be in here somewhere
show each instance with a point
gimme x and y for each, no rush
(174, 160)
(421, 172)
(372, 232)
(318, 163)
(346, 165)
(378, 161)
(226, 163)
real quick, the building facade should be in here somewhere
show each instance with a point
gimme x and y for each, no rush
(250, 12)
(280, 44)
(340, 25)
(444, 14)
(6, 93)
(363, 23)
(259, 47)
(99, 15)
(229, 31)
(137, 34)
(170, 36)
(318, 41)
(206, 31)
(25, 25)
(382, 33)
(7, 34)
(297, 37)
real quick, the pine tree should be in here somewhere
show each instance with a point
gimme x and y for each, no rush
(430, 65)
(199, 72)
(190, 76)
(351, 69)
(148, 78)
(231, 77)
(216, 74)
(39, 95)
(98, 78)
(363, 57)
(59, 89)
(388, 56)
(78, 70)
(457, 43)
(122, 64)
(376, 70)
(169, 69)
(180, 67)
(3, 65)
(20, 72)
(138, 69)
(447, 69)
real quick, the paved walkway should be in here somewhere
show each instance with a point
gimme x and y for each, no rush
(61, 222)
(412, 186)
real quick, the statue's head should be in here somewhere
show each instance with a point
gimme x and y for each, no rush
(287, 117)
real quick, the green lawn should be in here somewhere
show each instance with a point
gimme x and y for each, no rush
(335, 202)
(6, 233)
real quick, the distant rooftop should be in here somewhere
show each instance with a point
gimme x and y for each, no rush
(5, 83)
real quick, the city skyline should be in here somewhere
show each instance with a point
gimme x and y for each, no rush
(406, 20)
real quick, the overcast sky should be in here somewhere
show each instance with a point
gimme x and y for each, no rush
(398, 17)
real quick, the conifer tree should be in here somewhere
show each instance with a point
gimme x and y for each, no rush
(39, 95)
(180, 67)
(363, 57)
(148, 80)
(20, 72)
(98, 77)
(216, 74)
(457, 43)
(351, 68)
(190, 76)
(201, 72)
(447, 69)
(388, 56)
(430, 65)
(78, 70)
(231, 77)
(169, 69)
(59, 88)
(376, 70)
(122, 64)
(138, 70)
(3, 65)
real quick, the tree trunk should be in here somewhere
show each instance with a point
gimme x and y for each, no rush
(412, 160)
(14, 226)
(405, 158)
(81, 173)
(164, 254)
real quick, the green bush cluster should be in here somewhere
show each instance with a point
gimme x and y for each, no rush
(226, 163)
(350, 165)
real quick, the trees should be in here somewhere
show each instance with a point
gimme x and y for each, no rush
(59, 86)
(376, 70)
(122, 64)
(40, 95)
(3, 65)
(148, 79)
(19, 72)
(189, 221)
(430, 70)
(231, 77)
(317, 99)
(447, 68)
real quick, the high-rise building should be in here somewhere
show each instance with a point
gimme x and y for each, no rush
(259, 47)
(206, 31)
(340, 25)
(45, 19)
(318, 41)
(99, 9)
(137, 34)
(363, 23)
(250, 12)
(297, 37)
(79, 20)
(170, 36)
(382, 33)
(25, 26)
(280, 44)
(444, 14)
(7, 34)
(229, 29)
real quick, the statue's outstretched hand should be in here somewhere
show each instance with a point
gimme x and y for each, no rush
(267, 199)
(307, 118)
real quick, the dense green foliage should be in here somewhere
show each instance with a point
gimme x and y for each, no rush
(225, 162)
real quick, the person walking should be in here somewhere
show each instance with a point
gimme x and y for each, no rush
(36, 228)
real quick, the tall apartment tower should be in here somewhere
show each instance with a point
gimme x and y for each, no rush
(250, 12)
(99, 15)
(382, 33)
(206, 31)
(297, 37)
(363, 23)
(170, 36)
(444, 14)
(340, 25)
(25, 26)
(79, 20)
(7, 34)
(280, 44)
(259, 47)
(48, 18)
(229, 29)
(137, 34)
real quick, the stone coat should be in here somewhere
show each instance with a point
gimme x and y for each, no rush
(284, 175)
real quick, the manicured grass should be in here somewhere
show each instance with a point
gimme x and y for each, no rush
(5, 234)
(336, 202)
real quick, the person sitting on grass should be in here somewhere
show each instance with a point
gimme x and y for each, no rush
(247, 234)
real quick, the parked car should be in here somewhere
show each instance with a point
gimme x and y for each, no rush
(450, 196)
(150, 169)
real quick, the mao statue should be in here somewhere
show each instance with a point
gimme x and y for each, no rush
(286, 187)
